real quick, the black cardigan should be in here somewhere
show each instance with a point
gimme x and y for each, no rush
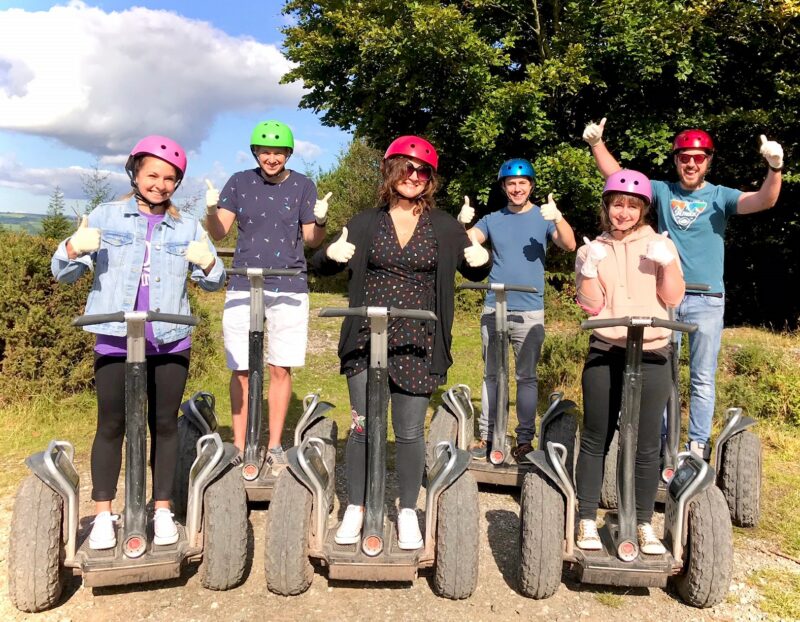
(451, 239)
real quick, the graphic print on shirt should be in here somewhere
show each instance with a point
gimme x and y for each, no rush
(145, 280)
(684, 213)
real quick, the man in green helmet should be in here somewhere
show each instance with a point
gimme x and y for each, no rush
(276, 211)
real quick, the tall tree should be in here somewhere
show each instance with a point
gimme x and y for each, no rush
(55, 224)
(96, 187)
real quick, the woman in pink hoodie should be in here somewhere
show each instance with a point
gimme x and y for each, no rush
(628, 270)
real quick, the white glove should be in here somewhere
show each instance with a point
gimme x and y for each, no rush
(212, 199)
(341, 250)
(199, 253)
(550, 211)
(772, 152)
(593, 133)
(658, 252)
(476, 255)
(86, 239)
(321, 210)
(597, 252)
(467, 212)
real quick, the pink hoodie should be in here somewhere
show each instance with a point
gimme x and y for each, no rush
(631, 286)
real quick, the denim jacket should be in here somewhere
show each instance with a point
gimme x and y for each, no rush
(117, 266)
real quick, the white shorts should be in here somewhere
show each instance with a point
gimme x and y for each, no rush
(286, 319)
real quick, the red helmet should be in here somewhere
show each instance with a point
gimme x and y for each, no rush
(413, 147)
(693, 139)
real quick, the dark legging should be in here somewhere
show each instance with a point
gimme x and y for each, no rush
(166, 379)
(602, 396)
(408, 422)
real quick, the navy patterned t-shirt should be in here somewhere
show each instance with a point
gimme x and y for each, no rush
(270, 218)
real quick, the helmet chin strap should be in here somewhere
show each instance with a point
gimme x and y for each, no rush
(140, 197)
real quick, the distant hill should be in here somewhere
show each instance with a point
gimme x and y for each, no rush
(21, 222)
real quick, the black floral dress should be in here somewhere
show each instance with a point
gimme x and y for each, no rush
(404, 278)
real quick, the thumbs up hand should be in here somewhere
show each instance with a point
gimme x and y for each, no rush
(593, 133)
(772, 152)
(212, 198)
(550, 211)
(658, 251)
(597, 253)
(86, 239)
(199, 252)
(467, 212)
(341, 250)
(476, 255)
(321, 210)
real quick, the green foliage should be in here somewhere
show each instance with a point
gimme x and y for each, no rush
(96, 187)
(56, 225)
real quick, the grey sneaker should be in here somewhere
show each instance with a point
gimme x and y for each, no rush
(701, 450)
(276, 458)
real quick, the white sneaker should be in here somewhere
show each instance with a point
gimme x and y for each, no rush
(166, 532)
(649, 544)
(349, 531)
(104, 532)
(409, 536)
(588, 539)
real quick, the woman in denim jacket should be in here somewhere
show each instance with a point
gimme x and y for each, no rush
(140, 249)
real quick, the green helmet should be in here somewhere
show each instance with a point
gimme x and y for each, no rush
(272, 134)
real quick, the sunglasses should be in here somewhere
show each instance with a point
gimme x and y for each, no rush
(424, 172)
(699, 158)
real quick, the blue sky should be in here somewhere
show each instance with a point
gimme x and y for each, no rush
(82, 81)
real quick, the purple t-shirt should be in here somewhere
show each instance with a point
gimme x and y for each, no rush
(270, 218)
(118, 346)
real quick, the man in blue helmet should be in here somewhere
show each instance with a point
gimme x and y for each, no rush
(518, 234)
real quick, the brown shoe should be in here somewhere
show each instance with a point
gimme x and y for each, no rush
(479, 448)
(520, 452)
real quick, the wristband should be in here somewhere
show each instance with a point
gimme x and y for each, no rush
(321, 224)
(777, 170)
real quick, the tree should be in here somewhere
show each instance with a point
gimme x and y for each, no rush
(96, 187)
(55, 224)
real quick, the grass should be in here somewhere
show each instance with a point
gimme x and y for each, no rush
(780, 593)
(610, 599)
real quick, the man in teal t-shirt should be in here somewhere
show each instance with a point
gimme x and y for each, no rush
(695, 213)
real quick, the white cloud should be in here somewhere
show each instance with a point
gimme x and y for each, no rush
(99, 81)
(306, 150)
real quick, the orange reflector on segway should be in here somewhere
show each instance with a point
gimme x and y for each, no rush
(667, 475)
(250, 472)
(372, 545)
(627, 551)
(496, 457)
(134, 546)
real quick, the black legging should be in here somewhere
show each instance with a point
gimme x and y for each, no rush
(602, 396)
(408, 422)
(166, 380)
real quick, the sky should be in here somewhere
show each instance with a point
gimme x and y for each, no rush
(82, 81)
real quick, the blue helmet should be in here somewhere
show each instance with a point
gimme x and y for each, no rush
(516, 167)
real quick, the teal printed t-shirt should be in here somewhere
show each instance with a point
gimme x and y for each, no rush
(696, 223)
(519, 244)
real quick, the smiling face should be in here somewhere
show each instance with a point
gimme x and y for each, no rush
(692, 171)
(414, 178)
(517, 189)
(272, 160)
(624, 212)
(156, 179)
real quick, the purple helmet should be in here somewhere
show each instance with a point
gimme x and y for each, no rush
(629, 182)
(161, 147)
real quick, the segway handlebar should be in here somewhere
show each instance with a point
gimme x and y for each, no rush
(265, 272)
(628, 321)
(124, 316)
(394, 312)
(499, 286)
(697, 287)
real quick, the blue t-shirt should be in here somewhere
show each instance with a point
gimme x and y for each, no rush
(519, 244)
(270, 218)
(696, 222)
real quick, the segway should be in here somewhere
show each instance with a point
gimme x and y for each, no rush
(697, 525)
(299, 528)
(259, 479)
(454, 419)
(45, 536)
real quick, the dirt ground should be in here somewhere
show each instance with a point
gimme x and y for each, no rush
(495, 598)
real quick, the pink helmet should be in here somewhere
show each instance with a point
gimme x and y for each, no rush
(161, 147)
(693, 139)
(413, 147)
(629, 182)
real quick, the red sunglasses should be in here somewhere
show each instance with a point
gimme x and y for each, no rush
(424, 171)
(699, 158)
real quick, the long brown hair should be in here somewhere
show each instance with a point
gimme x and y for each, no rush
(394, 171)
(137, 164)
(637, 201)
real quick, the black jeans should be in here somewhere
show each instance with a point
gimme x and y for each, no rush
(166, 380)
(408, 422)
(602, 396)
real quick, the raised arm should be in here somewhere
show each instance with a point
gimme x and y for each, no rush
(218, 221)
(593, 135)
(767, 195)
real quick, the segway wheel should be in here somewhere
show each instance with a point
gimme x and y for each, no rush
(224, 532)
(187, 452)
(457, 539)
(541, 538)
(326, 430)
(708, 555)
(444, 427)
(564, 430)
(608, 492)
(739, 478)
(34, 571)
(288, 568)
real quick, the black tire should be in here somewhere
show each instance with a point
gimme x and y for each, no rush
(224, 532)
(326, 430)
(541, 538)
(457, 540)
(608, 492)
(444, 427)
(187, 452)
(564, 430)
(739, 478)
(288, 568)
(708, 555)
(34, 552)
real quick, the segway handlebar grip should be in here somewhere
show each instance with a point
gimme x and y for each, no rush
(99, 318)
(265, 272)
(674, 325)
(697, 287)
(413, 314)
(172, 318)
(120, 316)
(500, 286)
(628, 321)
(343, 311)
